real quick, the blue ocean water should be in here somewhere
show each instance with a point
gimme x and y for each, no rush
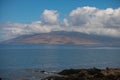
(56, 57)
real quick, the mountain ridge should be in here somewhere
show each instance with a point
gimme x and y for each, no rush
(64, 37)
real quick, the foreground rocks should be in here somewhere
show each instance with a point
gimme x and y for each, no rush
(87, 74)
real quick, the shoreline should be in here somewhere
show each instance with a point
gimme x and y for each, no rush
(87, 74)
(70, 74)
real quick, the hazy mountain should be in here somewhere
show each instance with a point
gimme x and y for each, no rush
(63, 37)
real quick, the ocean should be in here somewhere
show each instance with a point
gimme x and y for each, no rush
(16, 58)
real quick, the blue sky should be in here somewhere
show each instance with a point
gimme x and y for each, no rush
(26, 11)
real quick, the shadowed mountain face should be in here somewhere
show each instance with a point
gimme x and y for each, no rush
(62, 37)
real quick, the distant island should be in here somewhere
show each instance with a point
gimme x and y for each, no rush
(64, 37)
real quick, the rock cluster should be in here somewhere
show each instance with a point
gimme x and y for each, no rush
(87, 74)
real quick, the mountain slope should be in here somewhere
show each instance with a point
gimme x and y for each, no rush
(62, 37)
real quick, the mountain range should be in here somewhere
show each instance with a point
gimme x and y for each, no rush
(64, 37)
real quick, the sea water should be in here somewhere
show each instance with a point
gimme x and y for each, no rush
(15, 58)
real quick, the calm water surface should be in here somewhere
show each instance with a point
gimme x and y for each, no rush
(16, 57)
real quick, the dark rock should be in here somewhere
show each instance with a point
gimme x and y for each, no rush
(87, 74)
(93, 71)
(99, 75)
(110, 77)
(69, 71)
(54, 78)
(42, 71)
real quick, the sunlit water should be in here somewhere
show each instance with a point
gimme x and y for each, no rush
(15, 58)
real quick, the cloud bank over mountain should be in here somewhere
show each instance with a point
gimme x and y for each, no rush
(89, 20)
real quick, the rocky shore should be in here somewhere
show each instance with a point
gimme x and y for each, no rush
(87, 74)
(72, 74)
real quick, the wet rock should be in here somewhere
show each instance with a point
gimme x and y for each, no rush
(54, 78)
(87, 74)
(93, 71)
(69, 71)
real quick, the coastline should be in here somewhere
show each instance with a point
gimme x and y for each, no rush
(71, 74)
(87, 74)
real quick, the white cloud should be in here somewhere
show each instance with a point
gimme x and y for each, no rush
(89, 20)
(65, 22)
(92, 20)
(81, 16)
(50, 17)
